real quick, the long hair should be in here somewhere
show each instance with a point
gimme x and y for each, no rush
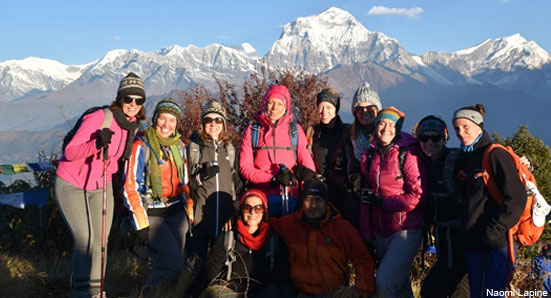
(223, 137)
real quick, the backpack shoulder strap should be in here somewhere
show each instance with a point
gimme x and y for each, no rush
(108, 118)
(194, 157)
(293, 133)
(255, 135)
(488, 178)
(229, 245)
(402, 151)
(230, 150)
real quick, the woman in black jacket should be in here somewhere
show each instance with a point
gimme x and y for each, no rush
(250, 268)
(485, 222)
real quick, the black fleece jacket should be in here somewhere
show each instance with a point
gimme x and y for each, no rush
(485, 222)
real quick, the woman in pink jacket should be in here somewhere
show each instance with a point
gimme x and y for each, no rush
(267, 166)
(392, 195)
(79, 183)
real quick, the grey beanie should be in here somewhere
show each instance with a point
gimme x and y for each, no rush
(366, 94)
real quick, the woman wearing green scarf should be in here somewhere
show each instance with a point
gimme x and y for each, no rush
(155, 191)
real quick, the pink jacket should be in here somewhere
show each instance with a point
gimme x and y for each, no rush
(403, 197)
(81, 163)
(261, 169)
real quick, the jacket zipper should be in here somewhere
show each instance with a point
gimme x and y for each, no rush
(217, 189)
(379, 191)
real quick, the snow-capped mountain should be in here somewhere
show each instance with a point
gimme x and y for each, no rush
(505, 54)
(34, 75)
(323, 41)
(41, 94)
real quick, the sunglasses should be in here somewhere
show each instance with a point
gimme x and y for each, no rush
(217, 120)
(364, 109)
(434, 138)
(129, 100)
(258, 209)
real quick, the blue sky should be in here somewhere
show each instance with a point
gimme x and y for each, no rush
(78, 32)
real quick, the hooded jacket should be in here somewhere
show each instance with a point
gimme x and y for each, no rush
(260, 169)
(484, 221)
(403, 194)
(318, 256)
(81, 163)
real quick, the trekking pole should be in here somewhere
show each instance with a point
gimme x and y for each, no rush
(103, 219)
(284, 193)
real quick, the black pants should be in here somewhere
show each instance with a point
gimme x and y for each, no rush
(442, 280)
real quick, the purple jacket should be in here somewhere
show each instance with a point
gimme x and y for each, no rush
(403, 197)
(81, 163)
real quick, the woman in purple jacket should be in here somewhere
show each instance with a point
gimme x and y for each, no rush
(79, 182)
(392, 195)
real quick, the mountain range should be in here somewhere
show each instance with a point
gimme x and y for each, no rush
(510, 76)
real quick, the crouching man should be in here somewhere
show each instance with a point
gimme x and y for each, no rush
(320, 244)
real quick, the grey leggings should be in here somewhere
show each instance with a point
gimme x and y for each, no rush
(82, 212)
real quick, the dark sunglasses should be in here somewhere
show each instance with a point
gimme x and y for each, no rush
(129, 100)
(364, 109)
(217, 120)
(258, 209)
(434, 138)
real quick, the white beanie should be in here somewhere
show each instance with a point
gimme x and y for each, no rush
(366, 94)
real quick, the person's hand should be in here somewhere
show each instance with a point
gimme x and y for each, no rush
(142, 237)
(284, 178)
(303, 173)
(208, 171)
(103, 138)
(227, 225)
(371, 198)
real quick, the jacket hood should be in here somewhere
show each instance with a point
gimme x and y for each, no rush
(277, 91)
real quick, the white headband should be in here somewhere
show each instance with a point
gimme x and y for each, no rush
(469, 114)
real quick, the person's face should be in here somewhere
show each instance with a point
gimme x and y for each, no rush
(275, 108)
(432, 143)
(166, 125)
(466, 131)
(131, 108)
(385, 131)
(366, 113)
(213, 125)
(252, 211)
(326, 112)
(314, 207)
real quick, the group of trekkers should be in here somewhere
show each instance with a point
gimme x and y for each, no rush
(291, 213)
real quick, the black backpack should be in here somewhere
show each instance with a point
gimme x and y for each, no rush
(106, 123)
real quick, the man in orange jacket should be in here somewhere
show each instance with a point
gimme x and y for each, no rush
(321, 243)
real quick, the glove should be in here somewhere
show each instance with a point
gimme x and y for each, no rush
(208, 171)
(303, 173)
(370, 198)
(353, 183)
(142, 236)
(103, 138)
(284, 177)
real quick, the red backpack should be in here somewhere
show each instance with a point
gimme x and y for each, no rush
(524, 231)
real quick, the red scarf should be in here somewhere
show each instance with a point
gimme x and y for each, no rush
(250, 241)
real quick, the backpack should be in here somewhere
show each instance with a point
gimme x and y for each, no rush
(524, 231)
(293, 133)
(229, 245)
(106, 124)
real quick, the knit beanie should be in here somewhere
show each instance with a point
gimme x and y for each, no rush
(316, 188)
(168, 105)
(256, 193)
(393, 114)
(331, 96)
(366, 94)
(432, 123)
(470, 114)
(213, 106)
(278, 91)
(132, 84)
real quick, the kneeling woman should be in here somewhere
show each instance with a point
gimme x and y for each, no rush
(155, 192)
(251, 269)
